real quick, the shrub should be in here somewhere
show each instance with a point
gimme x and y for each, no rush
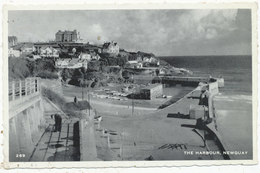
(94, 66)
(18, 68)
(48, 75)
(70, 108)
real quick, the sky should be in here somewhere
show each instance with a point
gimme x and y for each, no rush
(162, 32)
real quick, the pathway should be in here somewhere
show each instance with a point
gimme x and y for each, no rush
(57, 146)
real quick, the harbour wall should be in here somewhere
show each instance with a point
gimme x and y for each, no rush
(213, 88)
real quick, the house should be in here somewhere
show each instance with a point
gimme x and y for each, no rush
(89, 56)
(95, 56)
(14, 53)
(47, 51)
(36, 57)
(135, 56)
(162, 71)
(66, 36)
(151, 61)
(84, 64)
(28, 48)
(85, 56)
(25, 48)
(71, 63)
(74, 64)
(62, 63)
(77, 63)
(111, 48)
(146, 59)
(134, 64)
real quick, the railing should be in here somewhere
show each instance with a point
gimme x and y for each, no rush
(19, 89)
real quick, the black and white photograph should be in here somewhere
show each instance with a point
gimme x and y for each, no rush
(130, 85)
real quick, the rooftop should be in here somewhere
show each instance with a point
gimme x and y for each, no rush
(62, 32)
(151, 86)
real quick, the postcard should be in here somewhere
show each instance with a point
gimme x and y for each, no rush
(125, 85)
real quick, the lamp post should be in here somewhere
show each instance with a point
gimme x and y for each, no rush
(82, 85)
(88, 103)
(133, 105)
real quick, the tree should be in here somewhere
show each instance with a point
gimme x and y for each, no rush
(94, 66)
(121, 61)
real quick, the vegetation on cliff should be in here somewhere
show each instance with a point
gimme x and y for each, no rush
(20, 68)
(70, 108)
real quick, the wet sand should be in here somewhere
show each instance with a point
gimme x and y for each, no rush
(234, 123)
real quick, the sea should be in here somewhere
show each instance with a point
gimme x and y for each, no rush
(233, 106)
(236, 70)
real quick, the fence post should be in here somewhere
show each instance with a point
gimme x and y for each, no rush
(33, 85)
(108, 141)
(38, 85)
(25, 87)
(20, 88)
(13, 90)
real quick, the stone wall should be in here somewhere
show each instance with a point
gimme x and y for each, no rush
(25, 129)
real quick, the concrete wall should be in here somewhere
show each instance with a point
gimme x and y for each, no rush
(25, 129)
(88, 151)
(156, 91)
(152, 92)
(213, 88)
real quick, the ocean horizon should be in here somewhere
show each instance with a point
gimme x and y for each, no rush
(236, 70)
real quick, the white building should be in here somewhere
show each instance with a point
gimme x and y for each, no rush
(71, 63)
(14, 53)
(85, 56)
(111, 48)
(47, 51)
(62, 63)
(89, 56)
(134, 64)
(24, 48)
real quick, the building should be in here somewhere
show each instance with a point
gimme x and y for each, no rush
(14, 53)
(89, 56)
(47, 51)
(62, 63)
(162, 71)
(111, 48)
(71, 63)
(12, 41)
(134, 64)
(66, 36)
(151, 61)
(152, 91)
(25, 48)
(85, 56)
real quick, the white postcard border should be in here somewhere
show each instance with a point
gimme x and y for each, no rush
(113, 164)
